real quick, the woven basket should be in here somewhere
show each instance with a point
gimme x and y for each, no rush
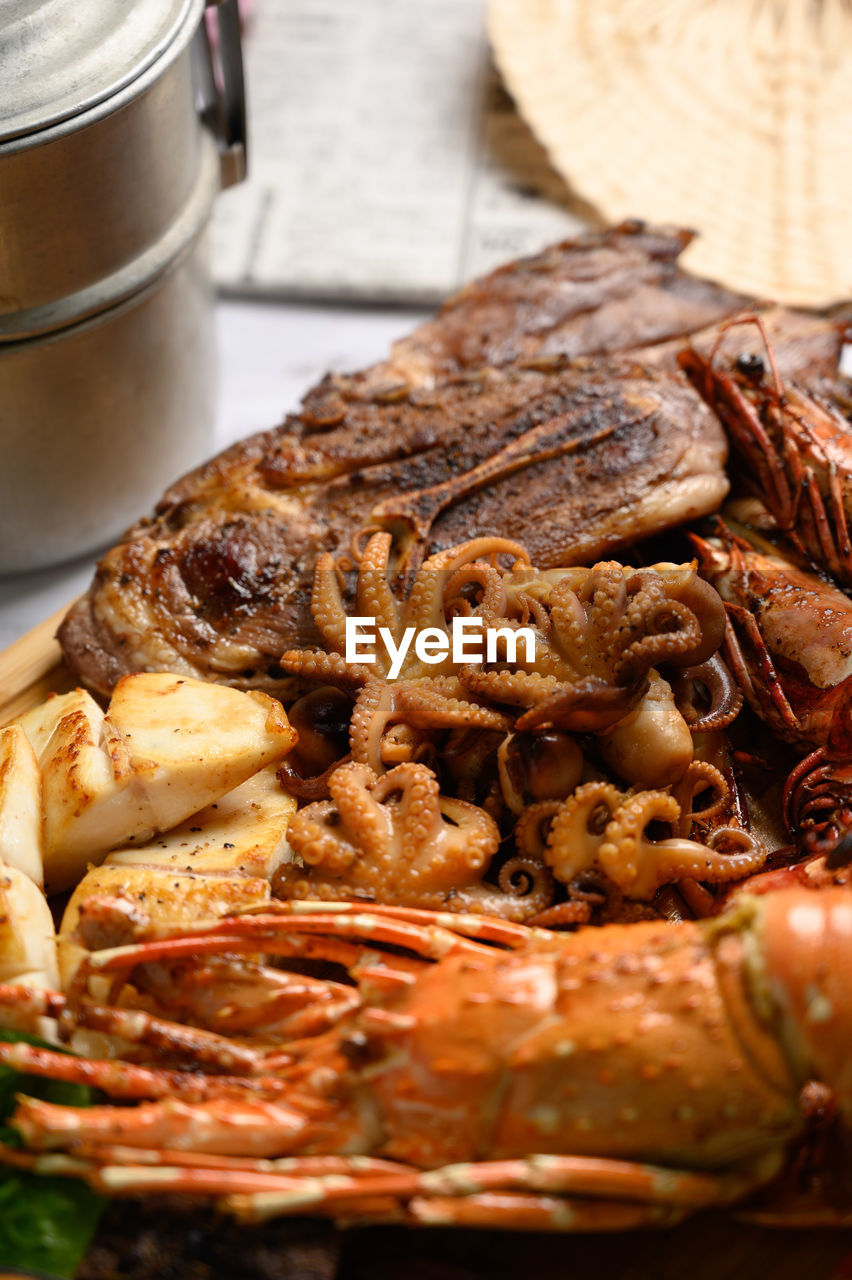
(730, 116)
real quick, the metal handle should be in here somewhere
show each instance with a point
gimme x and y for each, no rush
(220, 87)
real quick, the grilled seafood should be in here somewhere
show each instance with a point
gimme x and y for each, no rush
(597, 634)
(396, 839)
(796, 447)
(497, 1075)
(817, 805)
(482, 1073)
(797, 630)
(600, 828)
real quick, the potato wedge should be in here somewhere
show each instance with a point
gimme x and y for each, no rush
(220, 859)
(20, 805)
(167, 747)
(27, 934)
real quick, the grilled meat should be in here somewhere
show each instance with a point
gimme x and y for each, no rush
(483, 420)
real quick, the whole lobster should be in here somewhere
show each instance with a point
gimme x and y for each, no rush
(480, 1072)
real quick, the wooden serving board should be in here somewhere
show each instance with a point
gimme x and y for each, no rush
(31, 668)
(709, 1247)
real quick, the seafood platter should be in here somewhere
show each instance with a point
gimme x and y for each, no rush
(537, 937)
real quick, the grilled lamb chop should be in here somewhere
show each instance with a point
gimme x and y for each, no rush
(482, 421)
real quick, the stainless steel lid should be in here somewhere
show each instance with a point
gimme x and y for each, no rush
(61, 57)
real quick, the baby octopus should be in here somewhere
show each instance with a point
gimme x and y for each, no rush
(397, 839)
(600, 828)
(422, 696)
(602, 632)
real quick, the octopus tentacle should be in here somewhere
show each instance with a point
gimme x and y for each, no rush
(317, 843)
(670, 629)
(533, 826)
(579, 829)
(359, 541)
(399, 745)
(374, 708)
(428, 709)
(599, 828)
(315, 788)
(563, 915)
(533, 610)
(492, 593)
(705, 603)
(449, 686)
(571, 626)
(589, 705)
(489, 547)
(526, 887)
(373, 593)
(606, 592)
(327, 668)
(751, 850)
(424, 607)
(726, 697)
(420, 706)
(314, 833)
(700, 776)
(529, 878)
(518, 688)
(327, 608)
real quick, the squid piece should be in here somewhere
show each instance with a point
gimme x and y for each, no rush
(221, 859)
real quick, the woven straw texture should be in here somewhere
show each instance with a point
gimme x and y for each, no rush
(733, 117)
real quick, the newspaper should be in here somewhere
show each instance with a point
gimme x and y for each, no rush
(386, 161)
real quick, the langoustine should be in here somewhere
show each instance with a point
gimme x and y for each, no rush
(481, 1073)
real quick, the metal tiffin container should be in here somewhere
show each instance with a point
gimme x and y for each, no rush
(118, 126)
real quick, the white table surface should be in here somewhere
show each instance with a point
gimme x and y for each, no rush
(269, 355)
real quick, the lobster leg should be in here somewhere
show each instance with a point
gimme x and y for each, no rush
(483, 927)
(26, 1008)
(21, 1006)
(624, 1184)
(568, 1193)
(127, 1080)
(769, 693)
(222, 1125)
(511, 1211)
(274, 937)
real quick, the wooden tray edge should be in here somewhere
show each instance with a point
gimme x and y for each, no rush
(33, 667)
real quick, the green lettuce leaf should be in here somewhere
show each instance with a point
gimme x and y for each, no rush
(46, 1224)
